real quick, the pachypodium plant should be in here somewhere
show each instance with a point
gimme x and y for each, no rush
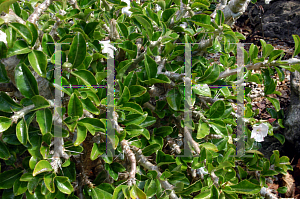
(151, 140)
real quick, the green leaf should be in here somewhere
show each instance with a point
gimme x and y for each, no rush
(33, 28)
(86, 76)
(146, 25)
(244, 187)
(174, 99)
(199, 5)
(267, 50)
(75, 107)
(4, 5)
(280, 138)
(89, 106)
(42, 166)
(253, 52)
(210, 75)
(124, 97)
(137, 90)
(49, 182)
(147, 151)
(25, 81)
(39, 102)
(129, 47)
(274, 54)
(38, 61)
(81, 134)
(4, 123)
(163, 131)
(202, 89)
(209, 146)
(136, 193)
(282, 190)
(297, 45)
(4, 152)
(44, 119)
(219, 19)
(23, 31)
(63, 184)
(20, 47)
(134, 119)
(22, 132)
(77, 51)
(150, 66)
(95, 152)
(168, 14)
(162, 158)
(217, 109)
(7, 104)
(9, 177)
(132, 107)
(48, 49)
(11, 37)
(19, 187)
(203, 130)
(275, 103)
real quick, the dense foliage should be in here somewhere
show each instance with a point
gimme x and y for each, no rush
(150, 101)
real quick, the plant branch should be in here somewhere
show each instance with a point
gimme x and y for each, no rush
(149, 166)
(34, 17)
(12, 17)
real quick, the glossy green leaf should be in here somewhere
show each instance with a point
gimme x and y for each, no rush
(39, 102)
(49, 182)
(130, 48)
(134, 119)
(4, 123)
(219, 19)
(174, 99)
(75, 107)
(77, 51)
(42, 166)
(23, 31)
(48, 48)
(7, 104)
(279, 137)
(22, 131)
(63, 184)
(3, 74)
(147, 151)
(210, 75)
(275, 103)
(202, 89)
(136, 193)
(38, 61)
(217, 109)
(146, 25)
(86, 76)
(297, 45)
(274, 54)
(4, 152)
(244, 187)
(20, 47)
(89, 106)
(81, 134)
(44, 119)
(162, 158)
(92, 125)
(163, 131)
(33, 29)
(209, 146)
(25, 81)
(9, 177)
(11, 37)
(148, 121)
(150, 66)
(5, 4)
(19, 187)
(168, 14)
(137, 90)
(124, 97)
(203, 130)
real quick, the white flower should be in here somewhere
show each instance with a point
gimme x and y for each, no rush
(126, 9)
(259, 132)
(108, 48)
(3, 37)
